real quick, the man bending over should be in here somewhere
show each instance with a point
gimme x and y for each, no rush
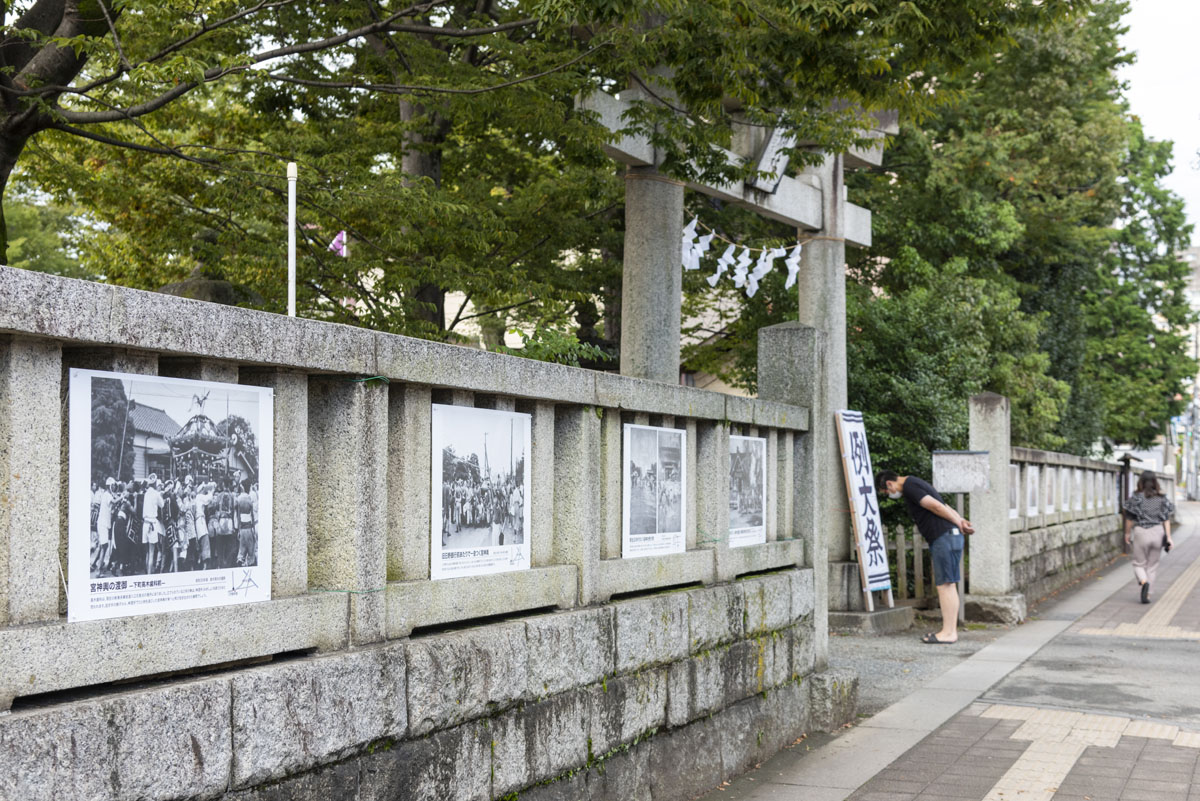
(943, 530)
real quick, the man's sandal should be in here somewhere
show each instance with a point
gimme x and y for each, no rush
(931, 639)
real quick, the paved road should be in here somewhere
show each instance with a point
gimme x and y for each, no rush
(1096, 699)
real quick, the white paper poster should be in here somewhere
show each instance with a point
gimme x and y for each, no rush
(654, 491)
(864, 503)
(479, 522)
(747, 491)
(169, 494)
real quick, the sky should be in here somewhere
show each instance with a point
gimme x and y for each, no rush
(1164, 87)
(175, 398)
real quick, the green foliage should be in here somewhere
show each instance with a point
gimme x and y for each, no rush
(1029, 181)
(1020, 246)
(39, 238)
(1020, 225)
(916, 355)
(1136, 312)
(457, 163)
(551, 345)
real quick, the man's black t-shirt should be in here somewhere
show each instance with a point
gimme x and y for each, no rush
(930, 525)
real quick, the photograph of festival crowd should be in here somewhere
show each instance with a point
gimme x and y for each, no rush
(654, 484)
(175, 483)
(481, 487)
(747, 491)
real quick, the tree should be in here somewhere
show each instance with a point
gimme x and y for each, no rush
(1022, 244)
(441, 135)
(1137, 314)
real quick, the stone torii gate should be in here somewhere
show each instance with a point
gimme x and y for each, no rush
(815, 204)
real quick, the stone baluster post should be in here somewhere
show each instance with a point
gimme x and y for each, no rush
(289, 479)
(991, 544)
(32, 467)
(792, 365)
(712, 497)
(578, 509)
(347, 497)
(410, 499)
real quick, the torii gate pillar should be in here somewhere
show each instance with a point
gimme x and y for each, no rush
(652, 287)
(821, 284)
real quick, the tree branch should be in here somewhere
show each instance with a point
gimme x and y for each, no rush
(372, 6)
(205, 28)
(214, 73)
(51, 63)
(44, 17)
(403, 89)
(112, 28)
(458, 315)
(106, 140)
(493, 311)
(462, 33)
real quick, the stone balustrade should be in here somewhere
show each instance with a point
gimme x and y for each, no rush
(351, 544)
(352, 477)
(1047, 489)
(1063, 517)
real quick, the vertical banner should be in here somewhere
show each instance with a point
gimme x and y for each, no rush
(864, 504)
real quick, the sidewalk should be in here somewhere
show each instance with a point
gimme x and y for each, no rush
(1093, 699)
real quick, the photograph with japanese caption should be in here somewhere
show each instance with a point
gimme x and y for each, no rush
(481, 483)
(170, 494)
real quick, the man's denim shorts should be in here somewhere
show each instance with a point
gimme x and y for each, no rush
(946, 551)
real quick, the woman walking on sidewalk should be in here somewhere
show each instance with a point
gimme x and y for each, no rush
(1147, 530)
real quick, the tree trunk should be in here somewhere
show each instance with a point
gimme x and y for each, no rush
(10, 150)
(26, 64)
(422, 158)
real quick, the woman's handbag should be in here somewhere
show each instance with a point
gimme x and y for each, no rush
(1166, 543)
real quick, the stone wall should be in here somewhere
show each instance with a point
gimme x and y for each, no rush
(323, 691)
(1046, 559)
(657, 698)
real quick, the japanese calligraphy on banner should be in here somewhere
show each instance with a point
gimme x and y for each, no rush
(864, 504)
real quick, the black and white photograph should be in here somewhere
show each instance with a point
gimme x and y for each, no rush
(480, 510)
(654, 482)
(747, 491)
(170, 494)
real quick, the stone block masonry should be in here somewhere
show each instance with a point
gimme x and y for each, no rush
(587, 675)
(613, 702)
